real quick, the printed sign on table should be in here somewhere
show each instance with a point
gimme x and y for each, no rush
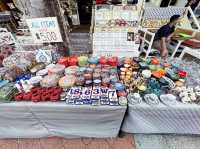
(45, 30)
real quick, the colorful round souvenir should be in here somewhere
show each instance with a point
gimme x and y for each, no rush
(167, 65)
(121, 93)
(105, 82)
(88, 76)
(93, 66)
(57, 69)
(42, 72)
(119, 87)
(37, 67)
(97, 70)
(134, 98)
(123, 101)
(155, 61)
(63, 61)
(50, 80)
(159, 73)
(88, 83)
(80, 81)
(146, 73)
(127, 61)
(93, 60)
(97, 82)
(103, 60)
(142, 87)
(67, 81)
(71, 70)
(182, 74)
(72, 60)
(113, 61)
(82, 60)
(89, 70)
(35, 80)
(179, 83)
(96, 76)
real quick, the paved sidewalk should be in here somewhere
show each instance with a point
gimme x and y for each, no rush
(126, 142)
(167, 142)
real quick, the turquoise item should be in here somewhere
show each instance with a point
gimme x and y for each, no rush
(170, 73)
(113, 71)
(143, 65)
(3, 83)
(163, 81)
(93, 60)
(82, 69)
(175, 65)
(119, 87)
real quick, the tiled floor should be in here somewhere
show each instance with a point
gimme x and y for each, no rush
(126, 142)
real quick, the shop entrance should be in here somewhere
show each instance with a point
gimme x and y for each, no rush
(85, 11)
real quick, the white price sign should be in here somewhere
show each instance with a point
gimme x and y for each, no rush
(45, 30)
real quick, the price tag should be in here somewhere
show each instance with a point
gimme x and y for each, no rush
(45, 30)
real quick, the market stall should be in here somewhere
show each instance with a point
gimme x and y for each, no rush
(169, 106)
(77, 97)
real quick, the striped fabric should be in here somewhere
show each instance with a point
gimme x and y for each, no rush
(180, 119)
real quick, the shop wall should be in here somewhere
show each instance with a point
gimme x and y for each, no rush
(32, 8)
(45, 8)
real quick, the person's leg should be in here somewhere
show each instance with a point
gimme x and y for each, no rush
(157, 45)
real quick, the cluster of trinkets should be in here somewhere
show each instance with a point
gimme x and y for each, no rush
(102, 80)
(153, 81)
(78, 80)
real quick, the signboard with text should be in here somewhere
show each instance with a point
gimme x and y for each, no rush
(45, 30)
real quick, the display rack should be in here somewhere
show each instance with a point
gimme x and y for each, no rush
(115, 29)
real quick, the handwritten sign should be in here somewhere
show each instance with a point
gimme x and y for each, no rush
(45, 30)
(6, 38)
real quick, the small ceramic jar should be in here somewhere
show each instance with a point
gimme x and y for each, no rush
(105, 82)
(96, 76)
(88, 76)
(67, 81)
(97, 82)
(80, 81)
(88, 83)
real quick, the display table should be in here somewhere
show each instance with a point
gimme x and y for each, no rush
(192, 52)
(180, 119)
(35, 120)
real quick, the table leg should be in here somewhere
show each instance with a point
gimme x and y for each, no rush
(182, 54)
(176, 49)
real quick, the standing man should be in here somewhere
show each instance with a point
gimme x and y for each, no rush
(164, 34)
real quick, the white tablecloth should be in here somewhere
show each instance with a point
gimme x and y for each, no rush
(35, 120)
(179, 119)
